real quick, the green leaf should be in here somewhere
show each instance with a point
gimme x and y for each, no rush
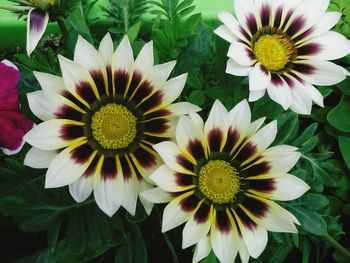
(344, 144)
(337, 118)
(134, 31)
(197, 97)
(288, 126)
(134, 249)
(42, 256)
(211, 258)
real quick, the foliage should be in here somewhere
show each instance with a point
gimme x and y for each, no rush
(79, 232)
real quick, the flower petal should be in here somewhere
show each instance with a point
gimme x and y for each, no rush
(236, 69)
(50, 82)
(81, 189)
(241, 54)
(145, 60)
(9, 76)
(39, 159)
(69, 165)
(157, 195)
(106, 49)
(202, 249)
(37, 23)
(280, 92)
(259, 78)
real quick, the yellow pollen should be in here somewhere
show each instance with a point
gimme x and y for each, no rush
(219, 181)
(113, 126)
(273, 51)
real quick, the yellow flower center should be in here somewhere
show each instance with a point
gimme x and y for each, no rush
(113, 126)
(219, 181)
(273, 51)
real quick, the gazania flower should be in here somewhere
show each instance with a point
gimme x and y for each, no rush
(284, 47)
(101, 120)
(220, 179)
(13, 124)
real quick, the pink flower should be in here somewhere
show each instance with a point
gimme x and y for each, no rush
(13, 125)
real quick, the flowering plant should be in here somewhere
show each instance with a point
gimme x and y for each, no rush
(175, 131)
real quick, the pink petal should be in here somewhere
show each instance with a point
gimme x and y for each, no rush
(37, 23)
(14, 126)
(9, 77)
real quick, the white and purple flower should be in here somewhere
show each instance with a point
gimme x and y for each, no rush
(285, 47)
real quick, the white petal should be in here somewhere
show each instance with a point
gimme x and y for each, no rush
(301, 102)
(161, 73)
(182, 108)
(255, 126)
(314, 94)
(241, 54)
(123, 57)
(87, 56)
(37, 23)
(39, 159)
(50, 82)
(259, 78)
(144, 61)
(325, 73)
(332, 46)
(63, 170)
(167, 179)
(217, 120)
(144, 186)
(173, 89)
(232, 24)
(157, 195)
(47, 135)
(169, 152)
(225, 33)
(202, 249)
(131, 192)
(195, 231)
(109, 192)
(236, 69)
(244, 8)
(280, 93)
(254, 239)
(225, 245)
(186, 132)
(81, 189)
(255, 95)
(173, 215)
(106, 49)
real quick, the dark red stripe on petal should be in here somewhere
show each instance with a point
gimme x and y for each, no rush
(265, 15)
(145, 158)
(85, 91)
(90, 171)
(304, 68)
(262, 185)
(157, 114)
(202, 214)
(223, 222)
(125, 168)
(307, 33)
(82, 153)
(109, 168)
(245, 219)
(246, 152)
(232, 138)
(189, 203)
(256, 207)
(184, 163)
(121, 80)
(195, 147)
(144, 90)
(289, 81)
(276, 80)
(297, 24)
(278, 16)
(110, 80)
(69, 113)
(258, 169)
(70, 132)
(98, 78)
(154, 139)
(152, 102)
(309, 49)
(251, 23)
(215, 138)
(183, 179)
(135, 82)
(73, 99)
(288, 16)
(157, 126)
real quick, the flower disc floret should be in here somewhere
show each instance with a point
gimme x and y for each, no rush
(218, 181)
(114, 126)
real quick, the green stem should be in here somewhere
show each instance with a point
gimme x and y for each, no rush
(338, 247)
(167, 240)
(62, 27)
